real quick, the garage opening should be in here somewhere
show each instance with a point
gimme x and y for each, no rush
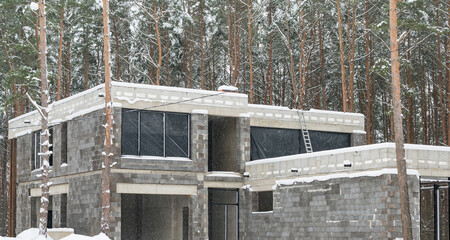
(222, 139)
(223, 206)
(154, 217)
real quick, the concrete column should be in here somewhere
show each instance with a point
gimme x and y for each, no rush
(199, 139)
(198, 214)
(243, 141)
(358, 138)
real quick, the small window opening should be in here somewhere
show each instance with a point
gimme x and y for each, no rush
(262, 201)
(37, 148)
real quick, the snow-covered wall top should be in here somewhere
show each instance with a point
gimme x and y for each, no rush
(172, 99)
(320, 120)
(433, 161)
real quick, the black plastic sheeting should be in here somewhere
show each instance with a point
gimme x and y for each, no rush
(322, 141)
(273, 142)
(129, 132)
(152, 133)
(278, 142)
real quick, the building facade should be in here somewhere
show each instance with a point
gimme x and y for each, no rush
(195, 164)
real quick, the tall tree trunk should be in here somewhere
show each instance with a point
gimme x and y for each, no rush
(213, 66)
(441, 85)
(399, 142)
(69, 71)
(302, 36)
(86, 59)
(291, 60)
(106, 174)
(448, 77)
(45, 143)
(269, 68)
(249, 12)
(185, 53)
(423, 98)
(168, 58)
(230, 59)
(341, 51)
(409, 99)
(322, 67)
(158, 40)
(236, 44)
(368, 84)
(117, 57)
(200, 19)
(61, 34)
(283, 86)
(351, 57)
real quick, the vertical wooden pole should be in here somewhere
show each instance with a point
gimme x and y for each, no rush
(398, 125)
(106, 175)
(45, 135)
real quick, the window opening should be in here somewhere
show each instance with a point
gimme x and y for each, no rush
(64, 142)
(153, 133)
(37, 148)
(262, 201)
(278, 142)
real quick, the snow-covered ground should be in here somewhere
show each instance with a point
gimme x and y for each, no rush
(33, 234)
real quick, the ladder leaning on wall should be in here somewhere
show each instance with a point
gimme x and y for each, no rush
(305, 132)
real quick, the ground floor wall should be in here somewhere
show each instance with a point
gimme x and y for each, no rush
(344, 208)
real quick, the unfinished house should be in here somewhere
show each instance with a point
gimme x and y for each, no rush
(195, 164)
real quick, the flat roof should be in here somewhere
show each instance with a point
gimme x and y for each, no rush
(175, 99)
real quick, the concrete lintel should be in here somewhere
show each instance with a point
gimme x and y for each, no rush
(54, 190)
(223, 184)
(158, 189)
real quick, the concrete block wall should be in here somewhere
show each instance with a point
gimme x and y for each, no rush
(342, 208)
(84, 204)
(243, 142)
(428, 160)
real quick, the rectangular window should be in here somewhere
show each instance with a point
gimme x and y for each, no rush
(37, 148)
(279, 142)
(262, 201)
(152, 133)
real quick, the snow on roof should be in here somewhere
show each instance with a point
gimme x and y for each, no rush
(327, 177)
(174, 89)
(347, 150)
(224, 174)
(225, 88)
(335, 112)
(268, 107)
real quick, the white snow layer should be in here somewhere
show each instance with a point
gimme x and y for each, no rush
(226, 88)
(200, 111)
(34, 6)
(322, 178)
(33, 234)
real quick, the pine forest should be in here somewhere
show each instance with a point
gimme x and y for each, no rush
(304, 54)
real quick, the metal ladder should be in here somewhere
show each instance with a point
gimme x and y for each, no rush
(305, 132)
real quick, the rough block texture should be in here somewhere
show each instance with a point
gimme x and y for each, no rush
(358, 139)
(243, 142)
(345, 208)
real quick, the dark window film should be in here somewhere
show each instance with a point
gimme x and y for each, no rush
(36, 160)
(177, 135)
(263, 201)
(322, 141)
(129, 132)
(278, 142)
(50, 148)
(152, 133)
(273, 142)
(64, 142)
